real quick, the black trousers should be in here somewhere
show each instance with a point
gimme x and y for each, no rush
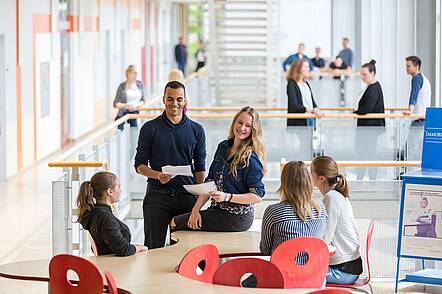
(159, 207)
(215, 219)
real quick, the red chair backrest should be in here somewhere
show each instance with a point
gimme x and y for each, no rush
(312, 273)
(93, 245)
(367, 247)
(266, 273)
(90, 279)
(330, 291)
(188, 265)
(111, 286)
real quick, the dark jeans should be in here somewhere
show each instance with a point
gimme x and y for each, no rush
(131, 122)
(215, 219)
(182, 67)
(159, 207)
(199, 65)
(418, 123)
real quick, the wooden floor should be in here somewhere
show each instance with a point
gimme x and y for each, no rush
(25, 218)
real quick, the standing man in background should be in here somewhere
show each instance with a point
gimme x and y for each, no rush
(420, 95)
(346, 53)
(170, 139)
(297, 56)
(181, 55)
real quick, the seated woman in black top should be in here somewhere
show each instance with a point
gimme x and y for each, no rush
(299, 94)
(94, 213)
(372, 101)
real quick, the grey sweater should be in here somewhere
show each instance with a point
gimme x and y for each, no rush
(341, 230)
(121, 96)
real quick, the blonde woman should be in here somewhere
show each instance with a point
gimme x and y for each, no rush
(94, 213)
(299, 94)
(341, 232)
(130, 96)
(297, 215)
(237, 170)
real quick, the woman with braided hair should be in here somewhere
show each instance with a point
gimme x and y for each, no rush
(94, 213)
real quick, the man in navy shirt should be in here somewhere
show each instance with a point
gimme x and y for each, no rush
(420, 94)
(170, 139)
(346, 54)
(298, 55)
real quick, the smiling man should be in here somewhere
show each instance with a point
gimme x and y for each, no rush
(170, 139)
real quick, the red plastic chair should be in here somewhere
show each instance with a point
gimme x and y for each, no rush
(312, 273)
(362, 281)
(206, 253)
(330, 291)
(93, 245)
(267, 274)
(111, 286)
(90, 279)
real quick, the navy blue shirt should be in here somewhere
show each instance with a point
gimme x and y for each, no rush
(248, 179)
(292, 58)
(416, 85)
(163, 143)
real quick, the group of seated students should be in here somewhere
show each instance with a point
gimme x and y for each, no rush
(237, 170)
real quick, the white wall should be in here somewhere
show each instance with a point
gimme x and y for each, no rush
(308, 22)
(10, 129)
(2, 110)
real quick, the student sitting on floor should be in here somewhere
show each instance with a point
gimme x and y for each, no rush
(237, 170)
(94, 213)
(341, 232)
(297, 215)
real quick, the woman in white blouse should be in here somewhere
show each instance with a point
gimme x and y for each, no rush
(299, 94)
(130, 96)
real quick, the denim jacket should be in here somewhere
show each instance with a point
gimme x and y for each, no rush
(248, 179)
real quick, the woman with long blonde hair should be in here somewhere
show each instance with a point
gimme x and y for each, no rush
(130, 96)
(237, 170)
(299, 94)
(297, 215)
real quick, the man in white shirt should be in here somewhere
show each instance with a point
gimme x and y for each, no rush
(420, 96)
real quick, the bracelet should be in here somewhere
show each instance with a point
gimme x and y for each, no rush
(230, 198)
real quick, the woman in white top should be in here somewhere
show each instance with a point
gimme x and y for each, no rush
(130, 96)
(299, 94)
(341, 231)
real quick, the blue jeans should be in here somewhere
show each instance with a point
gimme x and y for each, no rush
(133, 122)
(335, 276)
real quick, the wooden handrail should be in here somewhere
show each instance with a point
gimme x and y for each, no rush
(219, 109)
(292, 115)
(78, 164)
(368, 163)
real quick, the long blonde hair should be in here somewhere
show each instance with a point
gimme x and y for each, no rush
(294, 72)
(297, 189)
(327, 167)
(94, 188)
(253, 143)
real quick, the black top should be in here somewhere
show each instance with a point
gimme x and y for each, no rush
(111, 235)
(121, 96)
(371, 102)
(295, 103)
(343, 66)
(318, 62)
(163, 143)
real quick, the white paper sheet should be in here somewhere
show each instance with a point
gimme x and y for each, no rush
(179, 170)
(200, 189)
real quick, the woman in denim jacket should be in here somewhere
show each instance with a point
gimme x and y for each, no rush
(237, 170)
